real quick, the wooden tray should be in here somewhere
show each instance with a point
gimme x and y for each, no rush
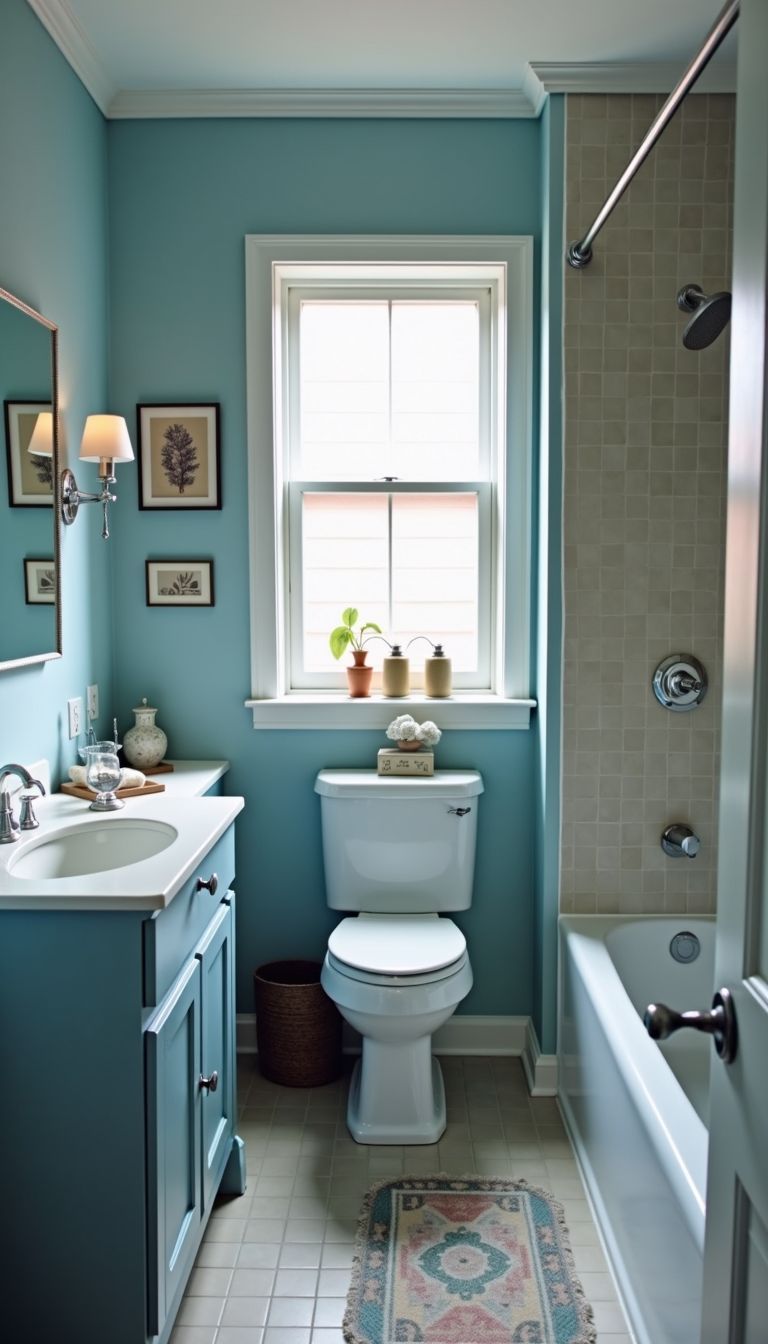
(164, 768)
(81, 791)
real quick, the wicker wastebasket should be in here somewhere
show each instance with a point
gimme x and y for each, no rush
(298, 1027)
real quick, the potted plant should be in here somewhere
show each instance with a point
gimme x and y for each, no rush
(412, 736)
(359, 677)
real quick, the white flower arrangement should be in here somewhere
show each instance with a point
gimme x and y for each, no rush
(405, 729)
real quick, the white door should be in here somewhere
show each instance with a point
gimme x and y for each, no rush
(736, 1253)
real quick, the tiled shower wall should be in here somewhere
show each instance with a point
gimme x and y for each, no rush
(645, 479)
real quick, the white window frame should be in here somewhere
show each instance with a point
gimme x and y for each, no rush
(276, 265)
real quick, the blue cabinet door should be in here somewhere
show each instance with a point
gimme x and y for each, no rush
(216, 956)
(174, 1183)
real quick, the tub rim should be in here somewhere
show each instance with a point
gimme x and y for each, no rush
(663, 1106)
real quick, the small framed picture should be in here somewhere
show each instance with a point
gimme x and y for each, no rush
(179, 466)
(30, 476)
(40, 581)
(179, 583)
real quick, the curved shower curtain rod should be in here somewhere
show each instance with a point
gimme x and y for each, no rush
(579, 253)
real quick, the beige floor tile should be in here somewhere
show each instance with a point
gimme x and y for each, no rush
(285, 1249)
(200, 1311)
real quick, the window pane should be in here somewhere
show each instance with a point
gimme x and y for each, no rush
(344, 390)
(435, 390)
(358, 424)
(435, 575)
(346, 564)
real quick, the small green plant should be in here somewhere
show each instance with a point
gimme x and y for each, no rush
(344, 637)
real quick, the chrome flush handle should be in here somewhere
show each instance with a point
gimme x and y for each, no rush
(719, 1023)
(459, 811)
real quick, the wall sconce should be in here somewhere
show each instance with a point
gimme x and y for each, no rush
(41, 446)
(106, 441)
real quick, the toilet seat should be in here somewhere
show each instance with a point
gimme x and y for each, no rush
(416, 948)
(396, 981)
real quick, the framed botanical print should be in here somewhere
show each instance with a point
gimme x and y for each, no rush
(179, 462)
(30, 475)
(40, 581)
(179, 583)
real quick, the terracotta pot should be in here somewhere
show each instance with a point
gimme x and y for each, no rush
(409, 746)
(359, 677)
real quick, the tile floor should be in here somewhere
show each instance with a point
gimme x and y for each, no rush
(274, 1265)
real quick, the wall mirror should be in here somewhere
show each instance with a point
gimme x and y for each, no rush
(30, 600)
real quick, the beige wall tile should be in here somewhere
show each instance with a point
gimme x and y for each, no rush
(644, 518)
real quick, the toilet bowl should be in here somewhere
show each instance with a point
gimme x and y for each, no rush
(400, 852)
(396, 1093)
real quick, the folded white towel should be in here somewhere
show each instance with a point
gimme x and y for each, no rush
(129, 779)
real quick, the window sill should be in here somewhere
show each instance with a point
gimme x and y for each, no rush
(333, 710)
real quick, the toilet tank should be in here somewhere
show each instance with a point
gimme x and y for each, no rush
(399, 844)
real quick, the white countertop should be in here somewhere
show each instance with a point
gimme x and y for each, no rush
(150, 884)
(190, 779)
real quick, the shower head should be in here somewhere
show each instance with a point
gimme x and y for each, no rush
(711, 315)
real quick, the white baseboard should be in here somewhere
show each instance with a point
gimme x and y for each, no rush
(540, 1070)
(463, 1034)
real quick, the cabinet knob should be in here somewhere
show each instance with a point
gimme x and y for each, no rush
(208, 884)
(210, 1084)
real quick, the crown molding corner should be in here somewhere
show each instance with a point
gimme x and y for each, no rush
(625, 77)
(408, 103)
(61, 24)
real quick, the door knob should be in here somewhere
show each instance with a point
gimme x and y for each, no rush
(719, 1023)
(210, 1084)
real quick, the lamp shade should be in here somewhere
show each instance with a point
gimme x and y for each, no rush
(41, 438)
(105, 437)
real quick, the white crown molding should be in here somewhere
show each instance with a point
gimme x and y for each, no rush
(58, 19)
(621, 77)
(455, 103)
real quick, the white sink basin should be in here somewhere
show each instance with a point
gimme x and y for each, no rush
(74, 851)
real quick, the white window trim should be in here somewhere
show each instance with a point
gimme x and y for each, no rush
(273, 705)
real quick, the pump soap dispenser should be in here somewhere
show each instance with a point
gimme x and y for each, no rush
(395, 670)
(437, 671)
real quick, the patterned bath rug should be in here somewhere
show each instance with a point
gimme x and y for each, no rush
(464, 1260)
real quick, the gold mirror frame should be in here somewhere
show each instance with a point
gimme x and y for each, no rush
(28, 661)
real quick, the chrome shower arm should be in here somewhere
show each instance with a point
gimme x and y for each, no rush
(580, 252)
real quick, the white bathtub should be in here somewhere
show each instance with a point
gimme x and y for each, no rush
(637, 1111)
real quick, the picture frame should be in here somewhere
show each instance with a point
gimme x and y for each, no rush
(40, 581)
(30, 479)
(179, 455)
(179, 583)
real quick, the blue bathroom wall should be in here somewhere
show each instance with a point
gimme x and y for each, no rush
(53, 240)
(183, 195)
(548, 597)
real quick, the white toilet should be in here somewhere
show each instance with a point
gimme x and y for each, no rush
(400, 852)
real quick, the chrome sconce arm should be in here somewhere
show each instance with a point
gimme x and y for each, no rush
(72, 497)
(106, 441)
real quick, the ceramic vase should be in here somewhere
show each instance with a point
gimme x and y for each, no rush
(144, 745)
(359, 676)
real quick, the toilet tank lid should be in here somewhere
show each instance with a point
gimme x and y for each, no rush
(367, 784)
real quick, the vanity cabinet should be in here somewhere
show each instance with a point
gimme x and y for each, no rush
(118, 1126)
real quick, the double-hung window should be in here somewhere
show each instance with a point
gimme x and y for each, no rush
(389, 424)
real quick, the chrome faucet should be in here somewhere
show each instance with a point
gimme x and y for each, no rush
(9, 831)
(679, 841)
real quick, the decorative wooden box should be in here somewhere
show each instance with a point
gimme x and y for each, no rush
(392, 761)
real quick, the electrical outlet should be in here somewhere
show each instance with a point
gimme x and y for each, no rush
(93, 703)
(75, 712)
